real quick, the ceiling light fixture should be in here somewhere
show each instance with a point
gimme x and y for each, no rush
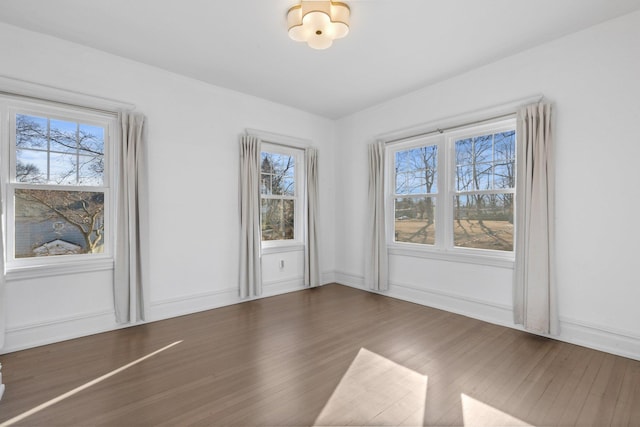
(318, 22)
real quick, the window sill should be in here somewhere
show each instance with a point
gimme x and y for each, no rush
(276, 249)
(58, 269)
(504, 261)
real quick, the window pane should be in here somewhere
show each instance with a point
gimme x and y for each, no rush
(484, 221)
(404, 182)
(278, 219)
(483, 148)
(91, 170)
(50, 151)
(464, 177)
(505, 157)
(288, 186)
(31, 132)
(416, 170)
(288, 219)
(62, 169)
(31, 166)
(53, 222)
(265, 183)
(486, 162)
(413, 182)
(482, 177)
(505, 146)
(402, 161)
(278, 172)
(266, 163)
(415, 220)
(464, 152)
(91, 139)
(504, 175)
(63, 136)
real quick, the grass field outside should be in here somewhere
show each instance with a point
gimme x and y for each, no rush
(467, 233)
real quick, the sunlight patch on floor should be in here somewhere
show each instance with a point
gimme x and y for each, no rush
(82, 387)
(376, 391)
(476, 413)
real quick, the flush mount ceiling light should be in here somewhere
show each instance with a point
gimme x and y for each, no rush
(318, 22)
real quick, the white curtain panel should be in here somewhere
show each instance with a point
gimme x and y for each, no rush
(312, 268)
(128, 287)
(250, 235)
(376, 256)
(2, 278)
(535, 302)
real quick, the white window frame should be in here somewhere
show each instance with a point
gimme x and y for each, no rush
(444, 247)
(60, 264)
(300, 197)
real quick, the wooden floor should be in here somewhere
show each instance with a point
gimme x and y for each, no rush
(327, 356)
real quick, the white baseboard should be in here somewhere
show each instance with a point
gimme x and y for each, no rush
(351, 280)
(42, 333)
(459, 304)
(277, 287)
(328, 277)
(195, 303)
(621, 343)
(61, 329)
(179, 306)
(451, 302)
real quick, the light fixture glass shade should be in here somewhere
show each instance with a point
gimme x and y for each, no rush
(318, 22)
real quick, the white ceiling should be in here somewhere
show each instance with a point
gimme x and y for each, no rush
(394, 47)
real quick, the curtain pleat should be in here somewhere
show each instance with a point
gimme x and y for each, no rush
(128, 288)
(312, 269)
(376, 256)
(535, 302)
(250, 236)
(2, 277)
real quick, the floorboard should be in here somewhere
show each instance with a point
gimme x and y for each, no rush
(327, 356)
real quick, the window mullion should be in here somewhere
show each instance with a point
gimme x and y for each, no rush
(77, 153)
(447, 184)
(48, 150)
(484, 192)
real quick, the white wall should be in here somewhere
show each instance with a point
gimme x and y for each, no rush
(592, 78)
(193, 131)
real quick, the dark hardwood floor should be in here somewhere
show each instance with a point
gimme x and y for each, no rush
(327, 356)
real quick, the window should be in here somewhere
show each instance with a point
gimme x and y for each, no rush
(455, 191)
(484, 189)
(58, 188)
(416, 190)
(280, 193)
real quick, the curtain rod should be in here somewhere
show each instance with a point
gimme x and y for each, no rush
(446, 129)
(280, 144)
(499, 112)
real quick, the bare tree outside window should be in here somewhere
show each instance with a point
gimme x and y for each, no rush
(43, 216)
(50, 151)
(415, 189)
(455, 190)
(53, 221)
(278, 196)
(485, 183)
